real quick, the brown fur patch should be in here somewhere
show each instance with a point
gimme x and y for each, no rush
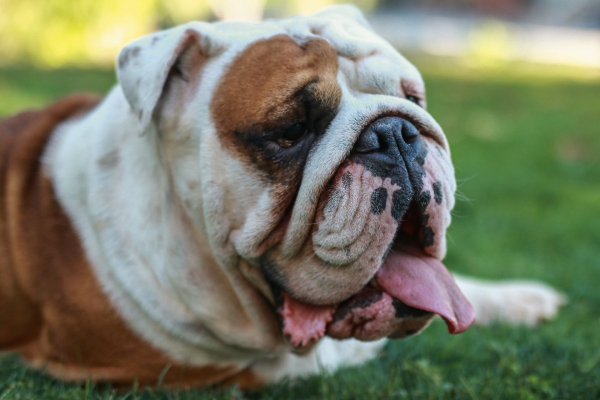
(272, 85)
(53, 309)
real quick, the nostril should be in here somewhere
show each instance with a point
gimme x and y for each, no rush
(368, 141)
(388, 136)
(409, 132)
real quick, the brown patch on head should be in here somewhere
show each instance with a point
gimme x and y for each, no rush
(271, 86)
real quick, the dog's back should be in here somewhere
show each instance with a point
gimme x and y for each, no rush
(53, 310)
(22, 141)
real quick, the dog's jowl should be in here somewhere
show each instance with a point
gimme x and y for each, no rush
(250, 202)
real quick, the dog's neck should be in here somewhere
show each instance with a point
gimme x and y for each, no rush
(147, 245)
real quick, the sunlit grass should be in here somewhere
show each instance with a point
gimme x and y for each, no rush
(26, 87)
(526, 151)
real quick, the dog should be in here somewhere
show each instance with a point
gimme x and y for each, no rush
(250, 202)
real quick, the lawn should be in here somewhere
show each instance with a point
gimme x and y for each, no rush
(526, 152)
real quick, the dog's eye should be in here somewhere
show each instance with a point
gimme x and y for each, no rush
(414, 99)
(292, 134)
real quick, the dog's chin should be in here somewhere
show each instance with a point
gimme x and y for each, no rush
(408, 288)
(370, 269)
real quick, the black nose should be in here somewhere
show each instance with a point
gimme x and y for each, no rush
(391, 147)
(387, 140)
(385, 132)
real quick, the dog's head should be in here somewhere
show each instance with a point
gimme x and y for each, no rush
(303, 151)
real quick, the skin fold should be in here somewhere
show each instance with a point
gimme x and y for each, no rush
(244, 196)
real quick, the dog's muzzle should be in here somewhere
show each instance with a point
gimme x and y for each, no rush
(371, 229)
(385, 143)
(391, 147)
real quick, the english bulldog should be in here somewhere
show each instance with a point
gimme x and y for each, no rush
(250, 202)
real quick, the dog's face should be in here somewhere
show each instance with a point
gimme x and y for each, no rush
(303, 151)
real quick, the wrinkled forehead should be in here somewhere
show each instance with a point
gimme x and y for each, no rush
(367, 63)
(330, 63)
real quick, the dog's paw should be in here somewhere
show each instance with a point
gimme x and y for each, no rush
(326, 357)
(333, 354)
(513, 302)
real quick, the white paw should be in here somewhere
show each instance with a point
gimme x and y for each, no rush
(326, 357)
(513, 302)
(343, 353)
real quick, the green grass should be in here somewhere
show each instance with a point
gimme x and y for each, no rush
(527, 156)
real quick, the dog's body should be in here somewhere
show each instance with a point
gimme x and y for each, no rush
(226, 206)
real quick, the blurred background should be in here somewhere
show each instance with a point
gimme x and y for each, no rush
(515, 84)
(53, 33)
(535, 38)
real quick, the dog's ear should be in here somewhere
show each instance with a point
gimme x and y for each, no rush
(145, 65)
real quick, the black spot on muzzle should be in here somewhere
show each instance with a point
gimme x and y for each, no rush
(391, 147)
(378, 200)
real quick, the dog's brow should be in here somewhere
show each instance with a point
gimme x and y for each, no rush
(303, 90)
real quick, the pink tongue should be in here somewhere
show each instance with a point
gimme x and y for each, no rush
(304, 322)
(423, 282)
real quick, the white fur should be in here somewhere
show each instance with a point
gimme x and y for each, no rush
(154, 219)
(513, 302)
(328, 355)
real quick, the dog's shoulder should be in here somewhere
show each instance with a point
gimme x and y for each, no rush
(61, 319)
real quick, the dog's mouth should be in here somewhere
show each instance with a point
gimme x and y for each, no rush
(407, 290)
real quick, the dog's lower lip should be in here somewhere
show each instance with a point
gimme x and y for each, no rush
(407, 277)
(305, 323)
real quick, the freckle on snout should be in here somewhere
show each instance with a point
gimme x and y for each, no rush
(437, 192)
(347, 180)
(378, 200)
